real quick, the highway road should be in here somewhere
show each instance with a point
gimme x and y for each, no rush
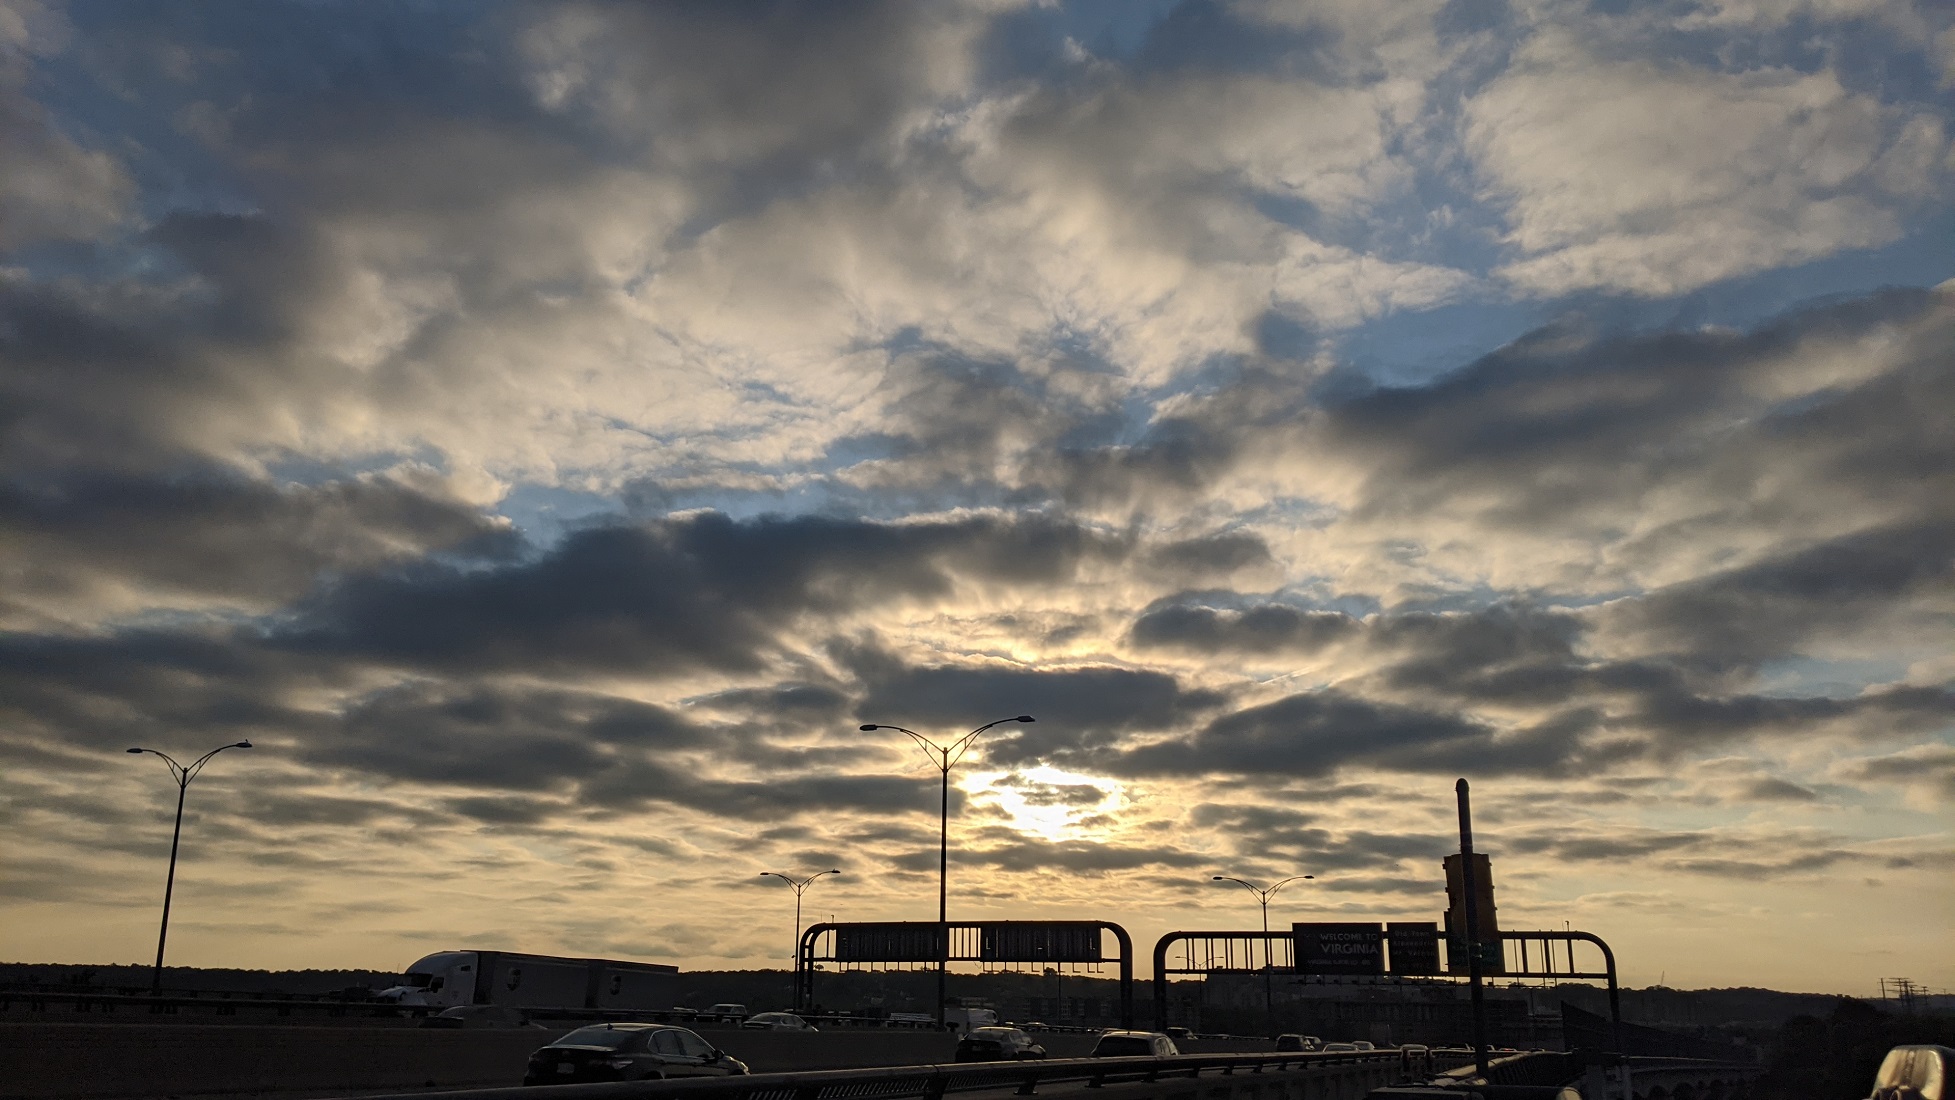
(128, 1061)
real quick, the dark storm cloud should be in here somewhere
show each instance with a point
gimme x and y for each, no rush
(1036, 793)
(206, 532)
(1316, 733)
(1773, 607)
(1777, 790)
(1269, 628)
(275, 807)
(1022, 854)
(1211, 554)
(589, 751)
(702, 591)
(491, 737)
(763, 86)
(1614, 418)
(1073, 706)
(1435, 671)
(105, 693)
(1930, 767)
(1278, 838)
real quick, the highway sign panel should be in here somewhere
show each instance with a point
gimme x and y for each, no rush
(1413, 946)
(1340, 947)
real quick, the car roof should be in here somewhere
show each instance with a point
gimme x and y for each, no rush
(629, 1025)
(1118, 1033)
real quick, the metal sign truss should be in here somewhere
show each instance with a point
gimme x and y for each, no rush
(999, 944)
(1542, 954)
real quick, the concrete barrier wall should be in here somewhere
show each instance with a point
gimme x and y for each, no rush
(125, 1061)
(1350, 1082)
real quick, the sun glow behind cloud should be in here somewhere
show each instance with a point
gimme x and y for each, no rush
(1051, 802)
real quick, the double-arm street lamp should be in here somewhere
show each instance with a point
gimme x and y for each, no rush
(800, 887)
(943, 758)
(183, 774)
(1263, 894)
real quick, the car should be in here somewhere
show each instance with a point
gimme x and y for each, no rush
(1134, 1044)
(1362, 1045)
(778, 1021)
(474, 1016)
(728, 1008)
(628, 1052)
(1286, 1043)
(1180, 1035)
(997, 1044)
(1340, 1048)
(1036, 1025)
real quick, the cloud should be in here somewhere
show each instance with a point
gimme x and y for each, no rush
(89, 543)
(1073, 706)
(51, 187)
(1269, 628)
(1657, 178)
(1926, 772)
(694, 592)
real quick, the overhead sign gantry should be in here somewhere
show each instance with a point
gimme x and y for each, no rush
(999, 942)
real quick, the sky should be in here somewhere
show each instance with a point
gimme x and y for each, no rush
(548, 431)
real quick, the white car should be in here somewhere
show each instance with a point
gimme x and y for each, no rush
(1134, 1044)
(778, 1021)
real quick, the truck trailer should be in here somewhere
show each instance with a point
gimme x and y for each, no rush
(448, 978)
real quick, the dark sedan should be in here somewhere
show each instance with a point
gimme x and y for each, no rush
(628, 1052)
(997, 1044)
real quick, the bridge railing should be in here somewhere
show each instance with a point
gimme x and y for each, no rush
(932, 1082)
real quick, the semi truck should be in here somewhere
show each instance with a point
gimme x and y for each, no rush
(448, 978)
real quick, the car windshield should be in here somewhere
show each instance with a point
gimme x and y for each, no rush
(595, 1037)
(1123, 1045)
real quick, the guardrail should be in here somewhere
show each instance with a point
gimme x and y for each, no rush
(928, 1082)
(221, 1004)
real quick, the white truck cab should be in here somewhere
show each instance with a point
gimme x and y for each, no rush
(443, 979)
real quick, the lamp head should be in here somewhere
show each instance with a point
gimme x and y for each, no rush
(1024, 718)
(870, 728)
(135, 750)
(1218, 878)
(835, 872)
(242, 745)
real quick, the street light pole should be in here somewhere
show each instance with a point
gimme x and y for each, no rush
(943, 758)
(183, 775)
(1269, 961)
(800, 886)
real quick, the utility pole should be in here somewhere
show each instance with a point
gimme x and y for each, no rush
(1472, 930)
